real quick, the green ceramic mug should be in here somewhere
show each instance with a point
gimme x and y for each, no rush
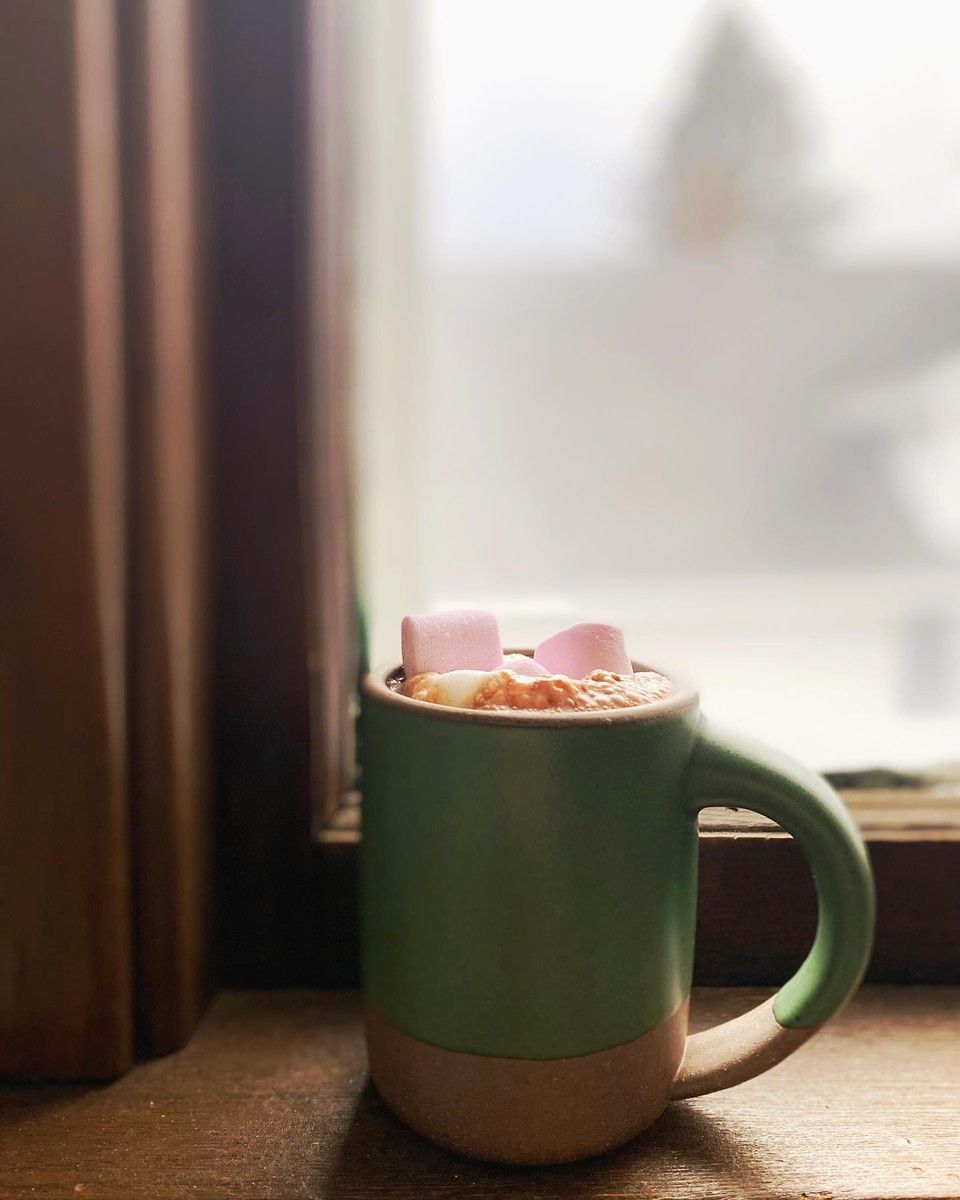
(528, 888)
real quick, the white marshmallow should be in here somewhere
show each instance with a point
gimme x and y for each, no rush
(458, 688)
(523, 664)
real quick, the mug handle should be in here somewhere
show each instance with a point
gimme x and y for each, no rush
(732, 770)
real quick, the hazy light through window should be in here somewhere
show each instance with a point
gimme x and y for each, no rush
(688, 349)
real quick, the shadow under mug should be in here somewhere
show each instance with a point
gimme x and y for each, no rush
(528, 908)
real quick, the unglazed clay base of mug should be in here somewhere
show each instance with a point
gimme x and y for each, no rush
(530, 1111)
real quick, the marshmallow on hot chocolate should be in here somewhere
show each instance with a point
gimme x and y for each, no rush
(458, 688)
(523, 664)
(584, 648)
(468, 639)
(455, 659)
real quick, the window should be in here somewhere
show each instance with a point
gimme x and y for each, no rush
(596, 371)
(658, 322)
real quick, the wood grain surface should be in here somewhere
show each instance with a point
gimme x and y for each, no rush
(168, 644)
(327, 486)
(271, 86)
(65, 977)
(271, 1099)
(248, 83)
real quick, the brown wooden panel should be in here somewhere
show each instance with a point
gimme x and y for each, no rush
(285, 645)
(168, 643)
(249, 77)
(65, 1004)
(325, 455)
(271, 1100)
(757, 908)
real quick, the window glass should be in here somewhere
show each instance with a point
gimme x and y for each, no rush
(687, 350)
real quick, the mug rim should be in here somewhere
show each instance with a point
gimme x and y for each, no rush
(685, 698)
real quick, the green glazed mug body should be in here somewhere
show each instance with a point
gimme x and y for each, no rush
(528, 907)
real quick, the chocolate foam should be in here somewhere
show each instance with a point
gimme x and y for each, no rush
(504, 690)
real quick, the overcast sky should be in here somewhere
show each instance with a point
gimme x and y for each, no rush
(540, 117)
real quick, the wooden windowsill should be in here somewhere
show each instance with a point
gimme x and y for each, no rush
(881, 813)
(271, 1099)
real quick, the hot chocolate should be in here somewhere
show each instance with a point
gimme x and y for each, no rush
(505, 690)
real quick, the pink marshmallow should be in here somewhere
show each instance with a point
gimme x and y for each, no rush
(450, 641)
(581, 649)
(522, 664)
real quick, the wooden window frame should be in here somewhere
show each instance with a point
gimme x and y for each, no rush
(116, 955)
(288, 891)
